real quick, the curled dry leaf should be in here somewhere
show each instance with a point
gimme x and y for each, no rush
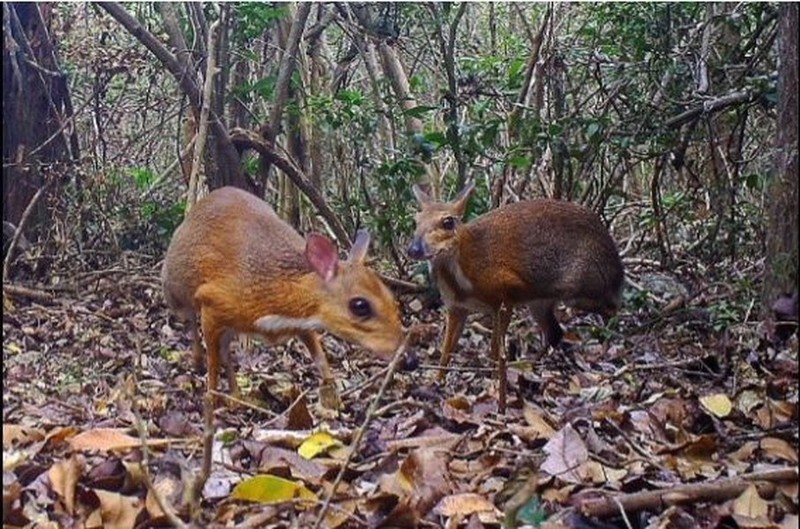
(272, 459)
(422, 479)
(747, 400)
(168, 488)
(594, 472)
(535, 418)
(64, 477)
(458, 409)
(776, 412)
(464, 504)
(750, 510)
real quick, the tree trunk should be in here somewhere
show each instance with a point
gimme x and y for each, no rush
(780, 264)
(37, 111)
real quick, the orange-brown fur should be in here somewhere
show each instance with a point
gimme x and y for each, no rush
(234, 261)
(537, 249)
(534, 252)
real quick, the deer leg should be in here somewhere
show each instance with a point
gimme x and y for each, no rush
(542, 311)
(198, 351)
(453, 328)
(501, 320)
(328, 394)
(228, 358)
(213, 334)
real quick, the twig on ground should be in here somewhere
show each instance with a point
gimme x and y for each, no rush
(458, 369)
(195, 488)
(163, 504)
(393, 365)
(718, 490)
(246, 404)
(36, 295)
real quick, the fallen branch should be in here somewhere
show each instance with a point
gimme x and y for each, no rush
(719, 490)
(36, 295)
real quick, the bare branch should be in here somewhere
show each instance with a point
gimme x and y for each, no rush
(202, 128)
(246, 139)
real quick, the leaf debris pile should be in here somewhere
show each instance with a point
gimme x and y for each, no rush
(680, 424)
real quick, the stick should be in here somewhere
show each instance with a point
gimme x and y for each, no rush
(36, 295)
(202, 128)
(163, 504)
(719, 490)
(393, 365)
(22, 221)
(194, 489)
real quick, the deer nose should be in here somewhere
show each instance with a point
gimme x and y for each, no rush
(416, 250)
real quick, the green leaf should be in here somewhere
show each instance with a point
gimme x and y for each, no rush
(353, 97)
(532, 512)
(519, 161)
(437, 138)
(143, 177)
(515, 72)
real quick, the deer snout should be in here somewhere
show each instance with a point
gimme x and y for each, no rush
(416, 250)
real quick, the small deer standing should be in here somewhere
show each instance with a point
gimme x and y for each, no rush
(534, 252)
(242, 269)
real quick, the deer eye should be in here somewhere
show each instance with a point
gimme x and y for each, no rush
(360, 308)
(449, 223)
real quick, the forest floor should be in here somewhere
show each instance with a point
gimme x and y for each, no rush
(682, 422)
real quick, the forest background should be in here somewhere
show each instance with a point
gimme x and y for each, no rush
(676, 122)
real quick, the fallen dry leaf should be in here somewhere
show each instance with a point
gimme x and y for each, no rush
(718, 404)
(17, 435)
(595, 472)
(168, 488)
(316, 444)
(778, 449)
(535, 418)
(463, 504)
(64, 476)
(566, 452)
(267, 488)
(104, 440)
(118, 511)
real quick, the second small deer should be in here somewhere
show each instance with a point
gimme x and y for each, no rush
(534, 252)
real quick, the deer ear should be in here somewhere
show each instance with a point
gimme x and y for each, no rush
(359, 250)
(422, 196)
(322, 256)
(462, 198)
